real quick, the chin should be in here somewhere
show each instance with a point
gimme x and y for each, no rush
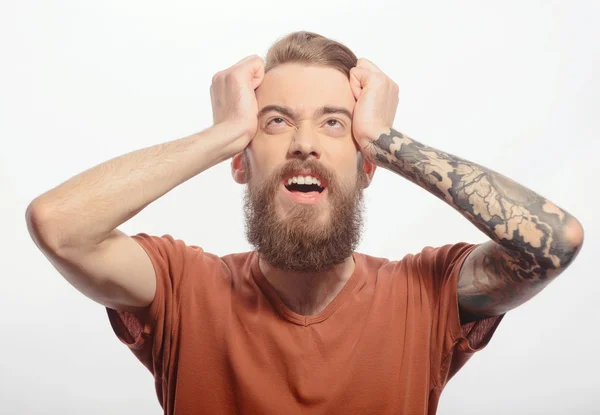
(304, 215)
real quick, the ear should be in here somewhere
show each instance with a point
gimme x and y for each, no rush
(368, 168)
(238, 170)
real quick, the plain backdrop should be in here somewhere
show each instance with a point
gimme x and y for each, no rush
(511, 85)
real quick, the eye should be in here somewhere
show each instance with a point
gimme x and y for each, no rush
(277, 118)
(332, 122)
(335, 121)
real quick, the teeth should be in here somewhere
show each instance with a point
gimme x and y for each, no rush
(304, 180)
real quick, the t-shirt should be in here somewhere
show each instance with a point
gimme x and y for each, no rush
(219, 340)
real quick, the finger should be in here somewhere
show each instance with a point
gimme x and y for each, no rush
(355, 84)
(253, 67)
(259, 75)
(249, 58)
(362, 75)
(365, 63)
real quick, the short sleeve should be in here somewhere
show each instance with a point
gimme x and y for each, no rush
(148, 332)
(452, 344)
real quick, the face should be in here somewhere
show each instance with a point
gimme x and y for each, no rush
(303, 169)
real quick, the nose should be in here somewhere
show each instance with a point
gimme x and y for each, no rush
(305, 143)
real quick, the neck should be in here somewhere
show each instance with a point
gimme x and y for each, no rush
(308, 293)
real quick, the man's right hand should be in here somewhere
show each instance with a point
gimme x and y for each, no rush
(75, 224)
(234, 101)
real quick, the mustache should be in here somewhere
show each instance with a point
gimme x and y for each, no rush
(312, 165)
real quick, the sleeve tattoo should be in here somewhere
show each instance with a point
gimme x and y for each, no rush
(532, 239)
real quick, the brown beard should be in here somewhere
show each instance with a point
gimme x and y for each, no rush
(300, 242)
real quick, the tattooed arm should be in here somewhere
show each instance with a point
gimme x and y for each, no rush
(532, 239)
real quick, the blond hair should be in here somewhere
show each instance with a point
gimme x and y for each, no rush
(311, 49)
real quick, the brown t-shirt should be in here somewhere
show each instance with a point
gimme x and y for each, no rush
(219, 340)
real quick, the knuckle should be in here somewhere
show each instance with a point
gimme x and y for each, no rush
(230, 75)
(379, 79)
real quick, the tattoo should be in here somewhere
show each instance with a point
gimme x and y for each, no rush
(529, 231)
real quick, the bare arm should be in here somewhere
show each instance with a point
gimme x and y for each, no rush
(85, 209)
(75, 224)
(532, 239)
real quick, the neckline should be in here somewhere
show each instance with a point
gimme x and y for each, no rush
(357, 277)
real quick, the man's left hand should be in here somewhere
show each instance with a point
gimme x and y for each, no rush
(375, 109)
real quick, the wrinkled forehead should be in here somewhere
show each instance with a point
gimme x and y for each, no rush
(305, 88)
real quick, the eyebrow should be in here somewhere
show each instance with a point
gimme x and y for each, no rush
(318, 113)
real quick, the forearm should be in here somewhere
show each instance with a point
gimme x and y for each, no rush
(510, 214)
(86, 208)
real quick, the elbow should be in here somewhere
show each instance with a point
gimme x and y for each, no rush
(38, 220)
(574, 232)
(572, 241)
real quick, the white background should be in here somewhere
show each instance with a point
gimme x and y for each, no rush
(511, 85)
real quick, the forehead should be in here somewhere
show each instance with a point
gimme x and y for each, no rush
(305, 88)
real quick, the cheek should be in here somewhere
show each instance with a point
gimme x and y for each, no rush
(268, 148)
(352, 177)
(348, 174)
(263, 160)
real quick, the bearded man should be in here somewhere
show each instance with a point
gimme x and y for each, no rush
(303, 324)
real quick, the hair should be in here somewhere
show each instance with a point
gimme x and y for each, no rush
(311, 49)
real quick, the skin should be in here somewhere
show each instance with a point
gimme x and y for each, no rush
(532, 240)
(326, 138)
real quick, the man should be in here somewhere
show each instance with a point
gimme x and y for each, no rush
(303, 324)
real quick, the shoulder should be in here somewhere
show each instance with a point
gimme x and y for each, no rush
(428, 260)
(174, 252)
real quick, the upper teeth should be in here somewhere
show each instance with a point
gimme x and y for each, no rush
(304, 180)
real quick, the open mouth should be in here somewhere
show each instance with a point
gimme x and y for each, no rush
(304, 188)
(304, 184)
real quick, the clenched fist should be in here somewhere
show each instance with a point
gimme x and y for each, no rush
(234, 101)
(375, 108)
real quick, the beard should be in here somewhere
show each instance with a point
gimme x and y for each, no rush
(301, 242)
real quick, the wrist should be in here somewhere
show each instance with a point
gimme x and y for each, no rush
(231, 136)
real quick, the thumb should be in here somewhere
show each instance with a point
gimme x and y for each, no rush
(257, 79)
(254, 67)
(358, 80)
(258, 74)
